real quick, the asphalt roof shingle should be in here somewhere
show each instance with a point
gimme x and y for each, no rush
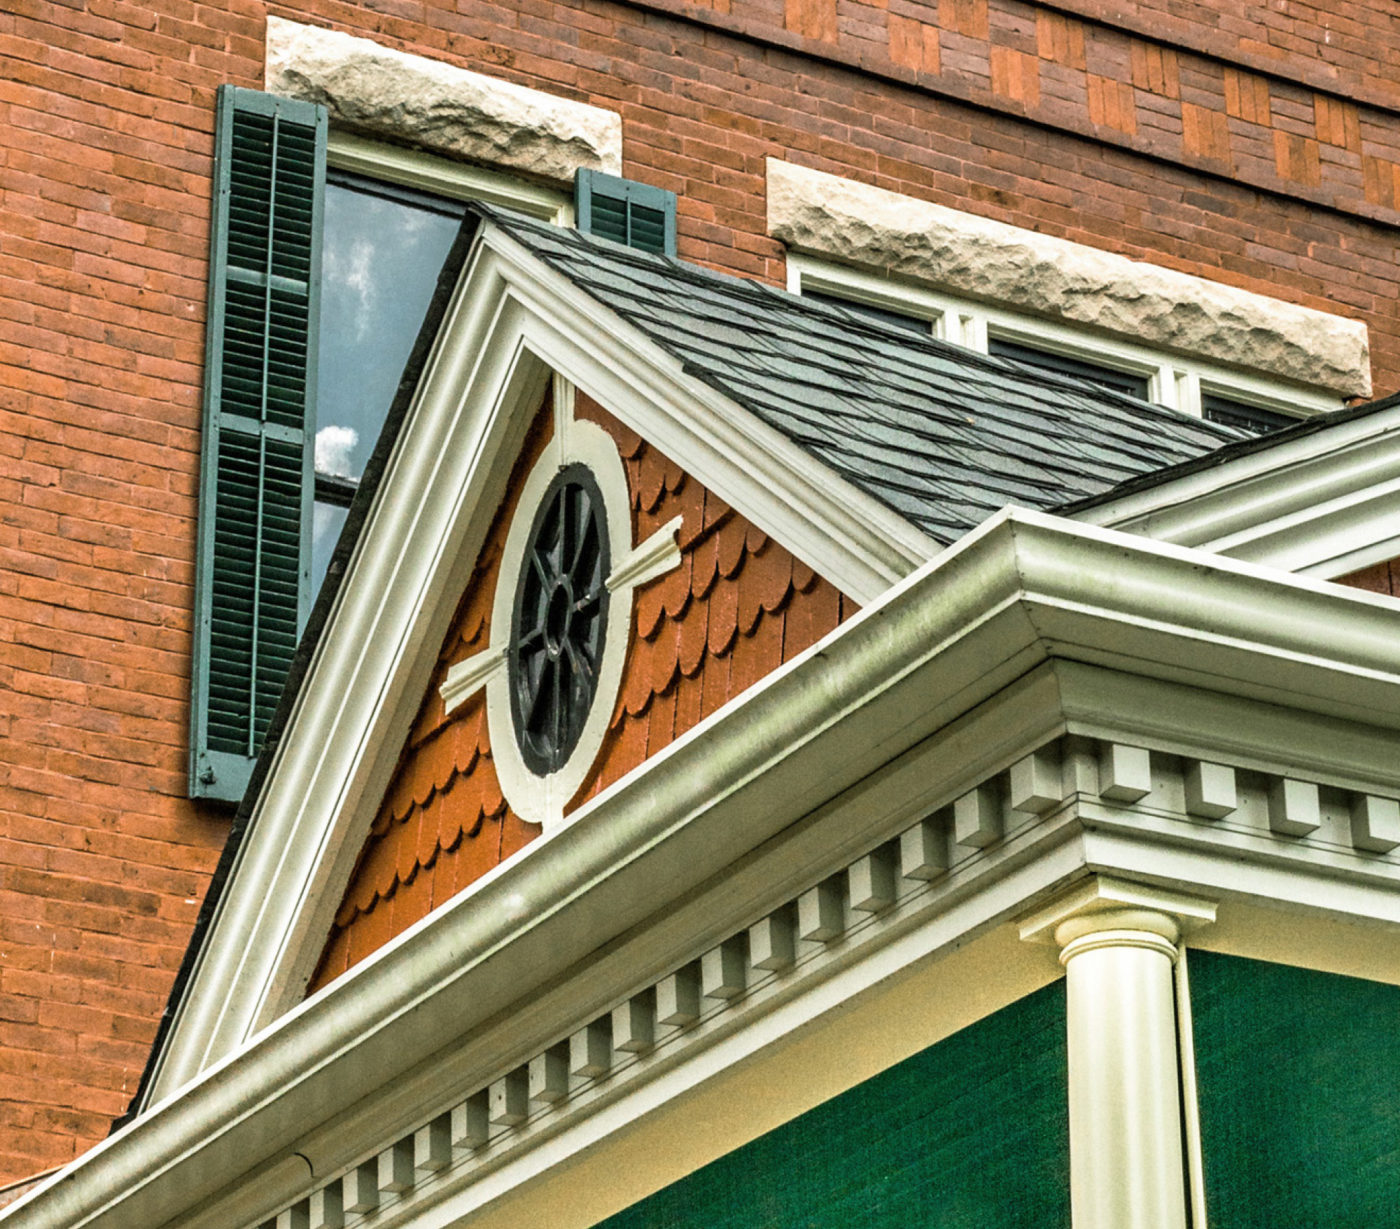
(943, 435)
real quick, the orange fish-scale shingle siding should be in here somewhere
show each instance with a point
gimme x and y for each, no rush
(736, 608)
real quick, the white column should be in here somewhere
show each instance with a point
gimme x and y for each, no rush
(1118, 944)
(1126, 1169)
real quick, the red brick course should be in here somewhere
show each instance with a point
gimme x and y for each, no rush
(1123, 130)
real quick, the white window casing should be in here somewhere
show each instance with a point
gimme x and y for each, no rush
(973, 277)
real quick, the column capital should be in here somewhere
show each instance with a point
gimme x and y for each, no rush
(1103, 905)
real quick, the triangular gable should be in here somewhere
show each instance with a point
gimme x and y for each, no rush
(512, 327)
(734, 606)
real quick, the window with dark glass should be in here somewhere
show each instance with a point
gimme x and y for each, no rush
(559, 620)
(1237, 414)
(1105, 377)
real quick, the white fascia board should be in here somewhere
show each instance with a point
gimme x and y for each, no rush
(1321, 505)
(511, 321)
(853, 540)
(1022, 590)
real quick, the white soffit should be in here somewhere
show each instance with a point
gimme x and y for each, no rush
(856, 224)
(440, 107)
(1324, 504)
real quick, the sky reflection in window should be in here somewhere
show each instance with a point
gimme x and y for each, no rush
(382, 251)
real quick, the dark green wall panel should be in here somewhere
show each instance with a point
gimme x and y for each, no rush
(1299, 1076)
(970, 1132)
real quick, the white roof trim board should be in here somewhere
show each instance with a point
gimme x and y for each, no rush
(1320, 503)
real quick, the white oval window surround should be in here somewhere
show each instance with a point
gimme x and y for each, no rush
(562, 617)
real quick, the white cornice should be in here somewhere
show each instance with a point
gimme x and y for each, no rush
(1321, 505)
(802, 761)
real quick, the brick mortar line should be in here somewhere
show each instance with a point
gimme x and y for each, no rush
(1096, 12)
(887, 70)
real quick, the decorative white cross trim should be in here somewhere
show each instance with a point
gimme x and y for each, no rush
(659, 554)
(465, 678)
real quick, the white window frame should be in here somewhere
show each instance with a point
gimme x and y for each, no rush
(412, 168)
(1173, 380)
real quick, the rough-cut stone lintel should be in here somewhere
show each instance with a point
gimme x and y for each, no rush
(439, 107)
(960, 253)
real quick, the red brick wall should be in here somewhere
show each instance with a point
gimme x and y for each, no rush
(1073, 119)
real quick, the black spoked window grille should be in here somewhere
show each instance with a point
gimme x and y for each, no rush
(560, 620)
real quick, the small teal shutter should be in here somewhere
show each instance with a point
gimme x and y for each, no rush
(253, 586)
(626, 211)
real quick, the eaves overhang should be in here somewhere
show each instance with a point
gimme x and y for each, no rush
(1025, 591)
(1320, 499)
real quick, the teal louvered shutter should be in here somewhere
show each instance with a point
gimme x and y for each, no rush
(626, 211)
(253, 584)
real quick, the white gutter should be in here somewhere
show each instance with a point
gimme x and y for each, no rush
(1023, 588)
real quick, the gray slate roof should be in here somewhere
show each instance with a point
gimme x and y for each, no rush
(941, 434)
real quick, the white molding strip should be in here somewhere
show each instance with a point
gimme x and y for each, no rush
(993, 262)
(413, 168)
(659, 554)
(438, 106)
(465, 678)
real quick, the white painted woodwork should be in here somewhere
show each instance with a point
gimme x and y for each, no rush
(359, 1189)
(471, 1121)
(977, 818)
(396, 1166)
(590, 1049)
(634, 1024)
(678, 997)
(722, 973)
(432, 1145)
(923, 850)
(1210, 789)
(548, 1079)
(1126, 1162)
(820, 916)
(1375, 823)
(1125, 773)
(509, 1098)
(326, 1208)
(1295, 807)
(1036, 782)
(872, 880)
(772, 940)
